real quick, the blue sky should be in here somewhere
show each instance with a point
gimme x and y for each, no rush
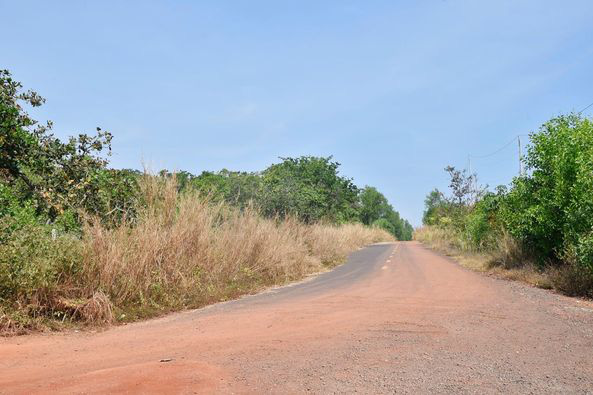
(394, 90)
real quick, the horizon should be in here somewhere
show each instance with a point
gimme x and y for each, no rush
(393, 91)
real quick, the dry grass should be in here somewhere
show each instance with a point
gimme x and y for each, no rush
(439, 239)
(506, 261)
(572, 279)
(184, 252)
(331, 243)
(181, 251)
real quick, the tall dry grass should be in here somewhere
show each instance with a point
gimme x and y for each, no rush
(180, 251)
(507, 259)
(184, 251)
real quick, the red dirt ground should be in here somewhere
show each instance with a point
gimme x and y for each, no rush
(416, 322)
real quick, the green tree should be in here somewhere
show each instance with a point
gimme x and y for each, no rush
(234, 187)
(54, 177)
(435, 206)
(375, 210)
(373, 205)
(551, 209)
(310, 188)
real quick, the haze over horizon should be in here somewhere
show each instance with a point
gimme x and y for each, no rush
(395, 91)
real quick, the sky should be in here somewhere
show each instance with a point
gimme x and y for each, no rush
(394, 90)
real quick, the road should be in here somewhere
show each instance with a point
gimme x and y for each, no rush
(395, 318)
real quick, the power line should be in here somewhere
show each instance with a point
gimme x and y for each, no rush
(517, 139)
(513, 140)
(495, 152)
(586, 108)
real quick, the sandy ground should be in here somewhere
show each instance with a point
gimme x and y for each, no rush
(395, 318)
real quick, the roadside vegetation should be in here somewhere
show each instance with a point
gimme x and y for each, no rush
(81, 243)
(539, 229)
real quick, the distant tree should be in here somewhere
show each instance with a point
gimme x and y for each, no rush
(234, 187)
(374, 209)
(434, 206)
(373, 205)
(408, 231)
(310, 188)
(462, 185)
(211, 184)
(183, 179)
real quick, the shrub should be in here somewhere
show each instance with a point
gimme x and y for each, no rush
(553, 207)
(36, 269)
(572, 277)
(482, 224)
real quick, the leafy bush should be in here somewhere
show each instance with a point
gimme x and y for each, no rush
(36, 267)
(14, 213)
(551, 209)
(482, 225)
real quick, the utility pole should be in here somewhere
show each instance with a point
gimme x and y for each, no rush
(469, 165)
(520, 156)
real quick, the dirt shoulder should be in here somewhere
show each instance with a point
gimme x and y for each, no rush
(396, 317)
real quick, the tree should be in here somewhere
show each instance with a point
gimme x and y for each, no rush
(235, 187)
(16, 137)
(373, 205)
(551, 209)
(375, 210)
(40, 169)
(435, 206)
(408, 231)
(310, 188)
(462, 185)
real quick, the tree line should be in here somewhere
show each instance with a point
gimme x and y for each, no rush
(47, 181)
(309, 188)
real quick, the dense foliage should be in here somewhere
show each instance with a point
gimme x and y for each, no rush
(43, 179)
(551, 210)
(308, 188)
(376, 210)
(547, 212)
